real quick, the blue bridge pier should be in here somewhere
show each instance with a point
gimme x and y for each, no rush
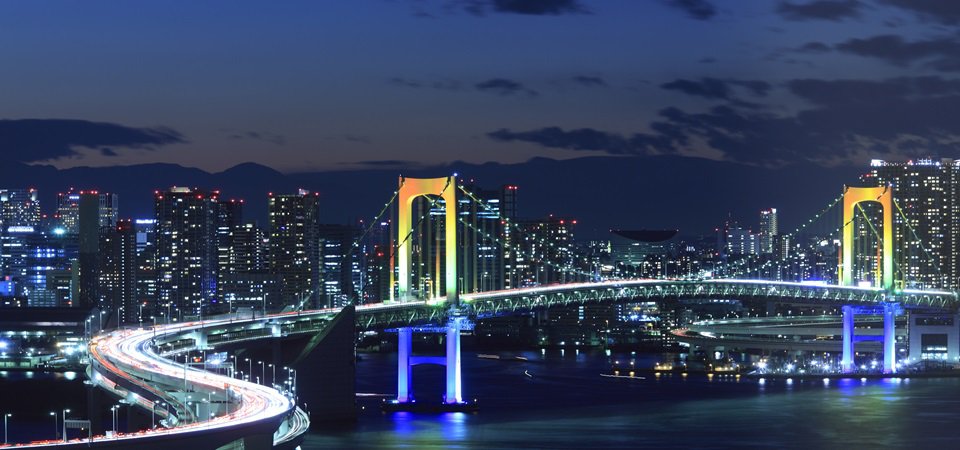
(888, 341)
(453, 394)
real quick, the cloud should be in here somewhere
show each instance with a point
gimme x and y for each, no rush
(846, 120)
(444, 85)
(525, 7)
(503, 86)
(386, 163)
(500, 86)
(717, 89)
(943, 11)
(696, 9)
(589, 81)
(587, 139)
(263, 136)
(851, 92)
(32, 140)
(942, 53)
(813, 47)
(835, 10)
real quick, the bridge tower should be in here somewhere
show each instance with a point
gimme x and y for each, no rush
(852, 197)
(410, 189)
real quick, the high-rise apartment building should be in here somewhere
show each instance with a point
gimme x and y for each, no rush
(294, 246)
(545, 252)
(92, 213)
(926, 218)
(118, 271)
(769, 229)
(186, 230)
(245, 281)
(229, 216)
(147, 266)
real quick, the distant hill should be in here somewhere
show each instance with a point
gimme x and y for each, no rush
(689, 194)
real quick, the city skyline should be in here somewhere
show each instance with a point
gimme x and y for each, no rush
(599, 224)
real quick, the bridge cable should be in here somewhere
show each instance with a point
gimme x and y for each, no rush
(519, 230)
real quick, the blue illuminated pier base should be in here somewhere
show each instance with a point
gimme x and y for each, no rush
(889, 338)
(453, 397)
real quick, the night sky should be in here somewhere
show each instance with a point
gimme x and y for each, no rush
(306, 86)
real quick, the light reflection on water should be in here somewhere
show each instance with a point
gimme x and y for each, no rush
(565, 404)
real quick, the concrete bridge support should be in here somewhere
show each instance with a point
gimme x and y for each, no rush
(889, 338)
(326, 371)
(258, 442)
(405, 361)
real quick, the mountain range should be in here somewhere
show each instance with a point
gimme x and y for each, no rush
(663, 192)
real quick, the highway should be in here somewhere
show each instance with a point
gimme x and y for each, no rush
(127, 356)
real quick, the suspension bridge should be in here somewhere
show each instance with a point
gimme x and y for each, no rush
(872, 276)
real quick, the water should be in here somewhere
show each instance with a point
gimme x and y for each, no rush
(565, 403)
(31, 396)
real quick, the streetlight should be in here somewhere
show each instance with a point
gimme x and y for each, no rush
(273, 377)
(263, 372)
(114, 409)
(65, 424)
(5, 417)
(56, 426)
(153, 415)
(249, 364)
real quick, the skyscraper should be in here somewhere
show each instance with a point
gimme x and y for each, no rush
(118, 270)
(483, 235)
(19, 208)
(768, 230)
(91, 212)
(147, 266)
(68, 211)
(229, 216)
(186, 229)
(926, 215)
(341, 276)
(544, 252)
(32, 260)
(244, 277)
(294, 245)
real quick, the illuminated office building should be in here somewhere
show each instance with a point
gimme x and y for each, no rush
(19, 207)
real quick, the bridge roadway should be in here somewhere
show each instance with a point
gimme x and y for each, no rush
(134, 362)
(791, 333)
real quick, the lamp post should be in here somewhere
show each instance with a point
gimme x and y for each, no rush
(5, 417)
(65, 424)
(273, 376)
(114, 409)
(249, 365)
(56, 426)
(263, 372)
